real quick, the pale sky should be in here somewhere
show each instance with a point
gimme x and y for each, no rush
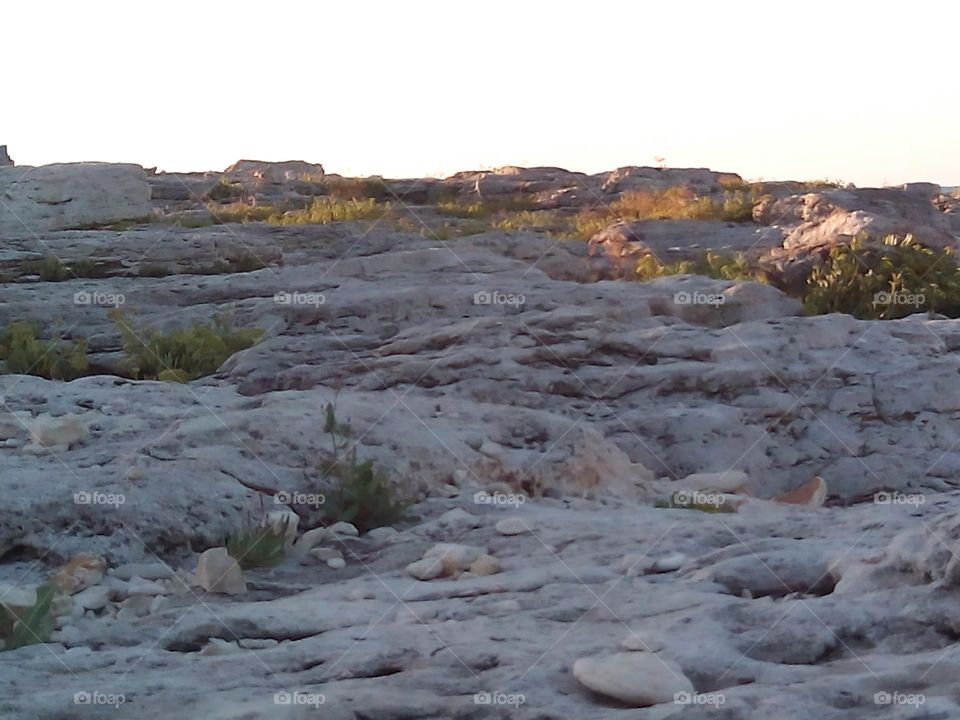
(865, 92)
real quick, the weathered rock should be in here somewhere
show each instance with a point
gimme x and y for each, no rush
(84, 570)
(513, 526)
(217, 572)
(58, 197)
(5, 159)
(635, 679)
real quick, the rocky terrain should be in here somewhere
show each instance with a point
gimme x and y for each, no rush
(541, 415)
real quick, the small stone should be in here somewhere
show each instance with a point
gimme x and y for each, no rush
(344, 528)
(512, 526)
(137, 605)
(811, 494)
(360, 594)
(218, 572)
(324, 553)
(93, 598)
(485, 565)
(135, 473)
(309, 540)
(147, 571)
(383, 534)
(454, 557)
(639, 641)
(139, 586)
(448, 490)
(426, 569)
(336, 563)
(635, 679)
(458, 518)
(491, 449)
(158, 603)
(84, 570)
(216, 646)
(670, 563)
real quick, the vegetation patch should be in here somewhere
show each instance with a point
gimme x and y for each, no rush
(261, 546)
(891, 280)
(710, 264)
(182, 355)
(361, 494)
(23, 352)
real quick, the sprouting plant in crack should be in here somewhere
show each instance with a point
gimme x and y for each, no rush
(361, 494)
(260, 546)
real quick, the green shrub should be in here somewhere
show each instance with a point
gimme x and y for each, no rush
(29, 626)
(87, 268)
(260, 546)
(327, 210)
(26, 354)
(485, 207)
(50, 269)
(182, 355)
(710, 264)
(891, 280)
(361, 494)
(682, 203)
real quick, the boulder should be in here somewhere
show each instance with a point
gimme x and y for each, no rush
(635, 679)
(70, 195)
(217, 572)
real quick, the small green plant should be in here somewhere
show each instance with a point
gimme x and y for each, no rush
(29, 626)
(361, 495)
(261, 546)
(50, 269)
(25, 353)
(891, 280)
(182, 355)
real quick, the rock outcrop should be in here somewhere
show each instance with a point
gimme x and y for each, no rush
(5, 159)
(74, 195)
